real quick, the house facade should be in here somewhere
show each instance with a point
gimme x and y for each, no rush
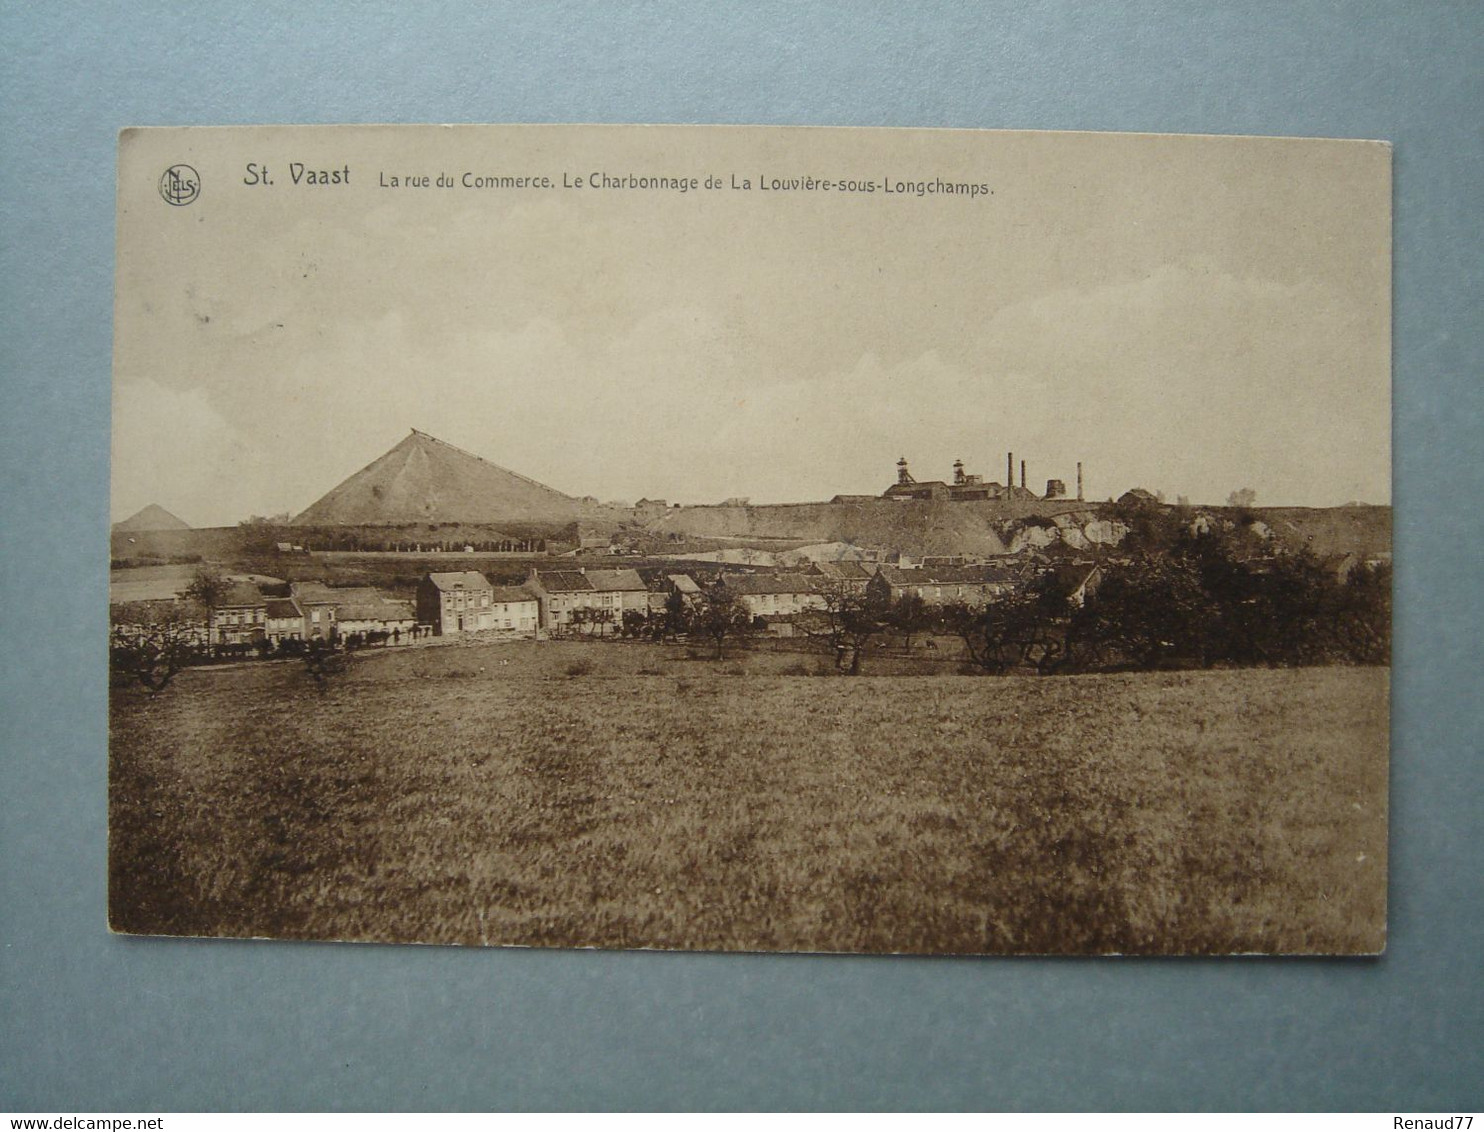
(317, 601)
(240, 615)
(622, 591)
(587, 601)
(663, 584)
(314, 611)
(852, 577)
(775, 595)
(361, 609)
(973, 586)
(516, 611)
(456, 601)
(563, 597)
(284, 620)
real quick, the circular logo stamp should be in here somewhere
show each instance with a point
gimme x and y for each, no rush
(180, 184)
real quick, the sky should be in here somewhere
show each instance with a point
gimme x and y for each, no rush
(1190, 315)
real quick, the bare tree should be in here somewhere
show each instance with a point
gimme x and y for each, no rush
(846, 623)
(207, 589)
(677, 617)
(908, 615)
(323, 661)
(155, 643)
(721, 615)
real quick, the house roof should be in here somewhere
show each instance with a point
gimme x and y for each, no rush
(627, 581)
(563, 581)
(684, 584)
(352, 595)
(844, 571)
(1072, 576)
(512, 594)
(315, 593)
(284, 607)
(240, 594)
(946, 576)
(459, 580)
(367, 611)
(770, 583)
(655, 579)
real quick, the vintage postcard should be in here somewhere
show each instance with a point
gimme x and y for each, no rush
(930, 541)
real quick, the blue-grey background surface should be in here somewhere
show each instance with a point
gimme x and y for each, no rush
(89, 1022)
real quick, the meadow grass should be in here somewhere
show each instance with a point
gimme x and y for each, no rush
(630, 795)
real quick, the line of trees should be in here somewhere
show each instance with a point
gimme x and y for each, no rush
(715, 616)
(156, 640)
(159, 643)
(1203, 601)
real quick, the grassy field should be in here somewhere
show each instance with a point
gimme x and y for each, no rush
(626, 795)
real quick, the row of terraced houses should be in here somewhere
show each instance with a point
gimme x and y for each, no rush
(595, 601)
(584, 600)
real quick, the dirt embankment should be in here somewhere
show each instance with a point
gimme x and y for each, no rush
(1364, 531)
(991, 528)
(915, 527)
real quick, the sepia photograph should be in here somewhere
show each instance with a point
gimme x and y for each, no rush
(942, 542)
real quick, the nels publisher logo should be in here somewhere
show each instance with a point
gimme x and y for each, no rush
(180, 184)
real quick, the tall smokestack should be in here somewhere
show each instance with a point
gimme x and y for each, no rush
(1079, 481)
(1022, 475)
(1009, 469)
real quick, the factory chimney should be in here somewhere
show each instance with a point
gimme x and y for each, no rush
(1009, 469)
(1079, 481)
(1022, 475)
